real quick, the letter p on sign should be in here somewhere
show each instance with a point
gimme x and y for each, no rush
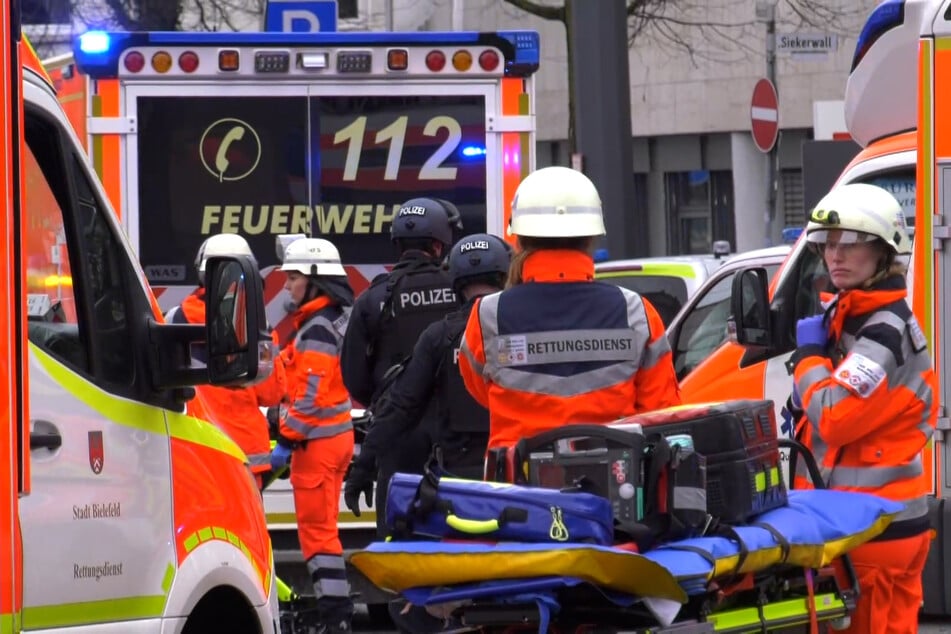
(301, 16)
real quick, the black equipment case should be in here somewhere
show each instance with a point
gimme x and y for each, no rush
(739, 441)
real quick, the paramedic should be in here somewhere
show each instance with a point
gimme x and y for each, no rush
(315, 428)
(478, 265)
(390, 315)
(236, 410)
(557, 347)
(864, 381)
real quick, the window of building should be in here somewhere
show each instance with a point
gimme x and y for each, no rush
(794, 215)
(700, 209)
(45, 12)
(347, 9)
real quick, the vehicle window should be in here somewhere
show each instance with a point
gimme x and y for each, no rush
(901, 184)
(75, 264)
(53, 324)
(704, 328)
(666, 294)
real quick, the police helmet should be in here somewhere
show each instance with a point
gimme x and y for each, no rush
(480, 254)
(432, 218)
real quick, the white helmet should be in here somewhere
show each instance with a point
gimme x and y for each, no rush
(557, 202)
(862, 213)
(313, 256)
(221, 244)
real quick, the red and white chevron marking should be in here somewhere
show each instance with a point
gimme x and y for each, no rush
(275, 297)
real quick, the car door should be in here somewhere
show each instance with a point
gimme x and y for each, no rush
(97, 526)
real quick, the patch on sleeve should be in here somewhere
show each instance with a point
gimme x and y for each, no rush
(918, 340)
(860, 374)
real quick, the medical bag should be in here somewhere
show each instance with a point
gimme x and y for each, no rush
(432, 507)
(656, 485)
(739, 442)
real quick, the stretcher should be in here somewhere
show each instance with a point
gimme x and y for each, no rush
(786, 567)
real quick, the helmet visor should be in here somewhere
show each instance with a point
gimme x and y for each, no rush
(823, 237)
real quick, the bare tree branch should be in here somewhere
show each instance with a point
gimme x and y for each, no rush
(544, 11)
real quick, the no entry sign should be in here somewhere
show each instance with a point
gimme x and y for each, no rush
(764, 115)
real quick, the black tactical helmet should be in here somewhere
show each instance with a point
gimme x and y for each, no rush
(480, 254)
(426, 218)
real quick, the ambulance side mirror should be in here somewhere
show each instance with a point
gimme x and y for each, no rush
(240, 349)
(749, 320)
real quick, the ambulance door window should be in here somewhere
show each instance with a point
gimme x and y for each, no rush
(76, 261)
(51, 292)
(106, 270)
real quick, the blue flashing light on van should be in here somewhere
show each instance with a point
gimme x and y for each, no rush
(886, 16)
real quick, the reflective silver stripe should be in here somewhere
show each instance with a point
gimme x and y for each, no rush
(569, 346)
(331, 588)
(876, 352)
(569, 209)
(814, 375)
(654, 352)
(313, 432)
(258, 459)
(171, 314)
(885, 317)
(328, 573)
(872, 477)
(333, 562)
(478, 367)
(322, 347)
(691, 498)
(338, 327)
(914, 508)
(511, 378)
(636, 313)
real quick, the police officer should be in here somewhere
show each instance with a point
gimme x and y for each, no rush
(388, 318)
(478, 265)
(235, 410)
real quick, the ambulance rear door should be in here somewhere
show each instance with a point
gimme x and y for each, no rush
(261, 135)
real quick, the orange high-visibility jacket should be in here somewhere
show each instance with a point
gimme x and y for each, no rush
(236, 410)
(561, 348)
(870, 401)
(319, 402)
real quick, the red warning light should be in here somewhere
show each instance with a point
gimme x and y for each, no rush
(488, 60)
(435, 61)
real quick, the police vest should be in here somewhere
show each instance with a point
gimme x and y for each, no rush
(416, 296)
(462, 413)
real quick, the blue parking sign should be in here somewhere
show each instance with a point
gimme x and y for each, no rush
(300, 16)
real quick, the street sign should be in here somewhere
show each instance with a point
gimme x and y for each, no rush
(764, 115)
(807, 46)
(300, 16)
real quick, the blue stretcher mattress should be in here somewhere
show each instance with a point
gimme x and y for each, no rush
(815, 527)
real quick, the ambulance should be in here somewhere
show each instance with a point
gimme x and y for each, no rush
(883, 115)
(323, 134)
(118, 512)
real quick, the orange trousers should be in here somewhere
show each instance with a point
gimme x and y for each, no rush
(317, 472)
(889, 574)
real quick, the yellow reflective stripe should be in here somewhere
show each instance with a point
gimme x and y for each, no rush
(136, 415)
(942, 43)
(780, 613)
(96, 106)
(344, 517)
(168, 578)
(217, 533)
(670, 270)
(87, 612)
(7, 624)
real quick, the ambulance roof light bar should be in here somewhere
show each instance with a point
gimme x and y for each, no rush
(99, 53)
(886, 16)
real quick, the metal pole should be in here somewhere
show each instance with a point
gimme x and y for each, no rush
(389, 15)
(773, 155)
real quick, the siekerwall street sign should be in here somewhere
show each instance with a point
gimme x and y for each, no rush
(805, 46)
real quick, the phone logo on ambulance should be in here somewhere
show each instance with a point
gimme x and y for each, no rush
(230, 149)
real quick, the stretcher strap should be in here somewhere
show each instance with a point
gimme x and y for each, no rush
(784, 546)
(811, 600)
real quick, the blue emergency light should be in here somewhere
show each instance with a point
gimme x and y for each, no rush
(97, 53)
(791, 234)
(473, 150)
(886, 16)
